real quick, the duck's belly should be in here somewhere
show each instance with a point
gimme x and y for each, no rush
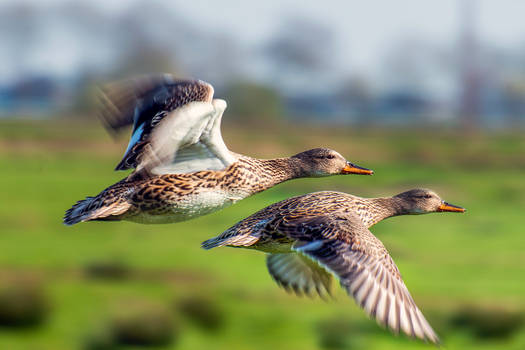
(186, 208)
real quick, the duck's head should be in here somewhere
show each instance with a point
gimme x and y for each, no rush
(422, 201)
(324, 162)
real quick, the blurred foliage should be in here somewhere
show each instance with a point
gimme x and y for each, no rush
(145, 59)
(488, 323)
(107, 269)
(301, 47)
(99, 339)
(23, 300)
(336, 333)
(203, 311)
(130, 269)
(85, 100)
(142, 322)
(250, 102)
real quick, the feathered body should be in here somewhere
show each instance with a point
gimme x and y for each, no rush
(182, 168)
(178, 197)
(311, 237)
(261, 230)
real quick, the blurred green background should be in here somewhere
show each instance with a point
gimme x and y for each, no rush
(428, 94)
(105, 285)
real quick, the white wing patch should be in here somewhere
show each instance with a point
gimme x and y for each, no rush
(188, 140)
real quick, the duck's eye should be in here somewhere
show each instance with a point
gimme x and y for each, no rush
(330, 156)
(427, 196)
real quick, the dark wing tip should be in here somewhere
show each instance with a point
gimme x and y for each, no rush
(210, 243)
(122, 165)
(118, 100)
(68, 218)
(144, 102)
(74, 215)
(373, 283)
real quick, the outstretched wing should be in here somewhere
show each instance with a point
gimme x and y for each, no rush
(367, 272)
(343, 246)
(176, 124)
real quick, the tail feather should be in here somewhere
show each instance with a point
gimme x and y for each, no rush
(228, 240)
(211, 243)
(95, 208)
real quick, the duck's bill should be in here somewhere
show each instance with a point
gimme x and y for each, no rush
(451, 207)
(355, 169)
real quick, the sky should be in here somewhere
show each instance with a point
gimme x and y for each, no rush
(363, 30)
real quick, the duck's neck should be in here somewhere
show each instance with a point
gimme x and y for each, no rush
(265, 173)
(382, 208)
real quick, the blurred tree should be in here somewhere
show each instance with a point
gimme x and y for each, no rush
(145, 59)
(84, 103)
(18, 33)
(421, 74)
(298, 54)
(148, 48)
(301, 44)
(471, 79)
(217, 58)
(417, 64)
(356, 97)
(248, 101)
(514, 99)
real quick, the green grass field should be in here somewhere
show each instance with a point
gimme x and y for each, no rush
(466, 272)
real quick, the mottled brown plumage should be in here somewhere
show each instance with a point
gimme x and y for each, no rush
(146, 100)
(312, 236)
(178, 197)
(182, 168)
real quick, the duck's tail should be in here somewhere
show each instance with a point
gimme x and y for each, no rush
(212, 243)
(229, 239)
(107, 206)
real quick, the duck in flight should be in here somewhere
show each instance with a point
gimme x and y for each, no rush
(182, 167)
(311, 237)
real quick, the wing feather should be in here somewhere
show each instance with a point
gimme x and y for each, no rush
(170, 117)
(375, 284)
(300, 274)
(343, 246)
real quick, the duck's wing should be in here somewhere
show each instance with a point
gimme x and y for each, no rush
(176, 124)
(297, 273)
(346, 248)
(340, 244)
(263, 225)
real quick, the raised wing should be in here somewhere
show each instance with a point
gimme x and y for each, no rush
(176, 124)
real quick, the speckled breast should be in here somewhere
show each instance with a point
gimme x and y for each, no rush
(186, 207)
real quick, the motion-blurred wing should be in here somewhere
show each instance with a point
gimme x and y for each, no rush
(374, 282)
(176, 124)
